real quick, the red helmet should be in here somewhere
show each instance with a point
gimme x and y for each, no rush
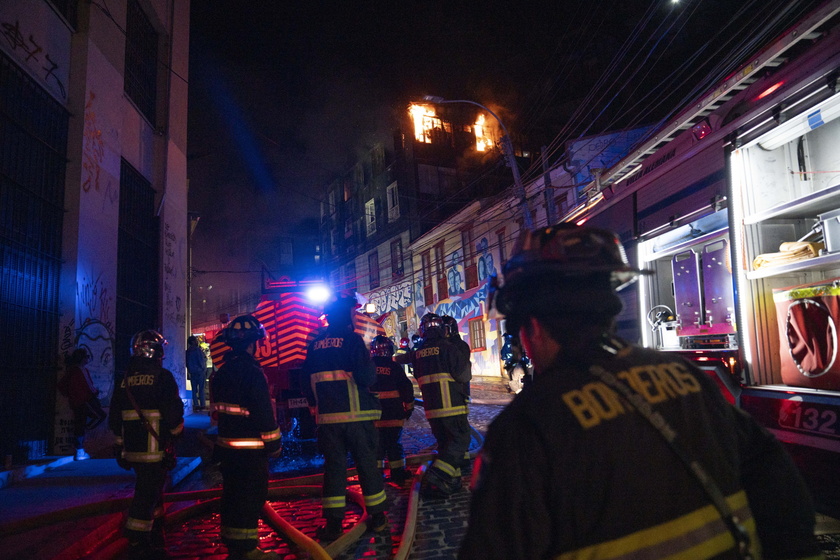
(381, 346)
(404, 342)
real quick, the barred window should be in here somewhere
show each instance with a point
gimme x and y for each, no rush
(137, 260)
(477, 339)
(141, 46)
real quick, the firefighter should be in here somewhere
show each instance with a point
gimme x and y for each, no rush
(405, 346)
(248, 435)
(603, 456)
(441, 372)
(396, 396)
(146, 416)
(340, 373)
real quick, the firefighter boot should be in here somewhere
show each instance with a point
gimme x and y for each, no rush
(378, 522)
(400, 475)
(330, 531)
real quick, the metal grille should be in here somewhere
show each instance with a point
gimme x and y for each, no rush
(137, 261)
(33, 139)
(141, 46)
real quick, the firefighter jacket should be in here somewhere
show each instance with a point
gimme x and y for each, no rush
(156, 394)
(576, 472)
(394, 390)
(340, 374)
(442, 374)
(242, 405)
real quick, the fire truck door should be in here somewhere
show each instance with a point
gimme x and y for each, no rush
(718, 294)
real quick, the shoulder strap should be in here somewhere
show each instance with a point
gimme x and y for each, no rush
(142, 416)
(739, 533)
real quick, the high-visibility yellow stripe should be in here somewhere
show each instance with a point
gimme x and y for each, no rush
(149, 414)
(231, 409)
(375, 499)
(388, 394)
(238, 533)
(434, 378)
(672, 538)
(451, 470)
(389, 423)
(273, 435)
(330, 502)
(396, 464)
(143, 456)
(337, 375)
(339, 417)
(240, 443)
(443, 412)
(142, 525)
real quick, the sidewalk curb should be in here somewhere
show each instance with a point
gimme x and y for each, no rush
(10, 477)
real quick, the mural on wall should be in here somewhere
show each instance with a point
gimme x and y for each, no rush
(392, 298)
(455, 274)
(95, 332)
(486, 267)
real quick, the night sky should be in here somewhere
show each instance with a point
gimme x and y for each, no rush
(283, 95)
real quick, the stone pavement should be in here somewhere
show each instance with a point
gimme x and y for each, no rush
(67, 510)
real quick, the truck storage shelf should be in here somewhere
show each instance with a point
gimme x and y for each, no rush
(807, 206)
(823, 262)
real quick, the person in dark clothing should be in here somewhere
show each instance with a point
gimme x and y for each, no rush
(602, 456)
(83, 398)
(442, 374)
(248, 436)
(396, 396)
(341, 372)
(146, 416)
(196, 368)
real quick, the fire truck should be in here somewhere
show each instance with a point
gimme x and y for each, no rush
(735, 208)
(291, 320)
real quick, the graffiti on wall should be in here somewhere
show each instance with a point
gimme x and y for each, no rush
(24, 43)
(392, 298)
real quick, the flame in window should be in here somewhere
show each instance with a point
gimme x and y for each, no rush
(425, 120)
(483, 134)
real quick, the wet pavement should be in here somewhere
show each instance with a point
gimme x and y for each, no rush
(87, 501)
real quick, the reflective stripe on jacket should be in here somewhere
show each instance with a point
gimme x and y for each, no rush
(340, 374)
(434, 362)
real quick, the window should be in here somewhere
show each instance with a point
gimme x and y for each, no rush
(500, 241)
(477, 340)
(393, 202)
(350, 276)
(370, 217)
(470, 268)
(426, 264)
(141, 50)
(443, 291)
(397, 258)
(373, 269)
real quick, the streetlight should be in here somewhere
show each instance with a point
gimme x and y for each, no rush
(508, 150)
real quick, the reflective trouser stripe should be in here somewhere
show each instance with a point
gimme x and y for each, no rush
(238, 534)
(273, 435)
(332, 502)
(230, 409)
(389, 423)
(353, 416)
(388, 395)
(447, 468)
(699, 534)
(139, 525)
(375, 499)
(240, 443)
(400, 463)
(142, 457)
(444, 412)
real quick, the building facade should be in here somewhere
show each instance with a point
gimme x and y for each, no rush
(93, 191)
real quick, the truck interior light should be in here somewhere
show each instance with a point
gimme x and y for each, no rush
(792, 129)
(770, 90)
(701, 129)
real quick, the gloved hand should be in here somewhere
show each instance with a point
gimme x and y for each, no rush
(409, 408)
(121, 461)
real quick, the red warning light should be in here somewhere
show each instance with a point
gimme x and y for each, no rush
(770, 90)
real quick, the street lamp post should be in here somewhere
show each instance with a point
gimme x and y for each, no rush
(508, 150)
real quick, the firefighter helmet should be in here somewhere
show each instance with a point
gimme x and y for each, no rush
(404, 343)
(430, 324)
(148, 344)
(242, 331)
(565, 268)
(450, 325)
(381, 346)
